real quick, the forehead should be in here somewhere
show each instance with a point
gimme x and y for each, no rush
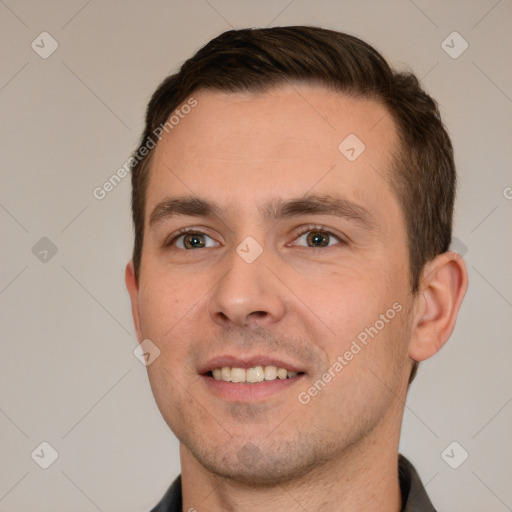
(284, 118)
(285, 141)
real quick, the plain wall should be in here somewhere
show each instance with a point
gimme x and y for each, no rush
(68, 375)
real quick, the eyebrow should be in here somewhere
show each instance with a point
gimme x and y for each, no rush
(175, 206)
(321, 205)
(274, 210)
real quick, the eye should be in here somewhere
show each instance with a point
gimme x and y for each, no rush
(193, 240)
(317, 238)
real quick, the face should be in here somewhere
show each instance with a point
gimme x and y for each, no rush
(275, 281)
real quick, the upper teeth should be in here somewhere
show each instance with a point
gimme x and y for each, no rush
(255, 374)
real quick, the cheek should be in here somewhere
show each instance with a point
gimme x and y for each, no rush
(361, 314)
(344, 300)
(169, 309)
(167, 302)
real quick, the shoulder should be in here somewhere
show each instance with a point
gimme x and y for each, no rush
(414, 495)
(172, 501)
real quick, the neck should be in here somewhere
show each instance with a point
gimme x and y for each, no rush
(360, 478)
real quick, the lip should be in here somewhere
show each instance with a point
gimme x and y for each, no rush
(249, 392)
(245, 392)
(247, 361)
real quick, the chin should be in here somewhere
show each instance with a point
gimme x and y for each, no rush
(269, 466)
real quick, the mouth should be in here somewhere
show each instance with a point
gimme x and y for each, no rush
(252, 375)
(249, 379)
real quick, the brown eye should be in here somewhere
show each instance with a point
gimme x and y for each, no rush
(193, 240)
(318, 239)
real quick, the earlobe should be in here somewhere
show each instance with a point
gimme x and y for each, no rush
(133, 290)
(442, 289)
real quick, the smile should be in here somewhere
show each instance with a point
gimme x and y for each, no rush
(252, 375)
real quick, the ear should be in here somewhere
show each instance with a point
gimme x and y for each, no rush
(133, 289)
(444, 284)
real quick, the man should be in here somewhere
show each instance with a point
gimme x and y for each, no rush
(292, 203)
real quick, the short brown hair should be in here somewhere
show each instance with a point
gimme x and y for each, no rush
(254, 60)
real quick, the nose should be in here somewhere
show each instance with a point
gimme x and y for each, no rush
(248, 293)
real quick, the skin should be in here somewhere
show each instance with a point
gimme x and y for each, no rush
(301, 304)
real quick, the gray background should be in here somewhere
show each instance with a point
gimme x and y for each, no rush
(67, 372)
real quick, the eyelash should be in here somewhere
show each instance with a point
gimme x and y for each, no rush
(322, 229)
(296, 234)
(183, 231)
